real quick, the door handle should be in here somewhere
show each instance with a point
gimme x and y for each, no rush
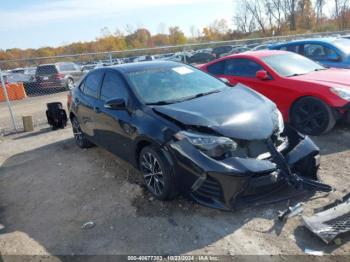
(97, 109)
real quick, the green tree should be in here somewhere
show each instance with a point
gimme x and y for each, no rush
(176, 36)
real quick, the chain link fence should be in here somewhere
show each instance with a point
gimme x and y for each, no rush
(31, 83)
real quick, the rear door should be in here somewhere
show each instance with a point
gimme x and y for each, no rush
(243, 70)
(114, 128)
(87, 104)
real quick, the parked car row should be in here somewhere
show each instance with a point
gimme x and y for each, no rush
(47, 78)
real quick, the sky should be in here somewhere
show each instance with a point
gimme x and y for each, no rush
(39, 23)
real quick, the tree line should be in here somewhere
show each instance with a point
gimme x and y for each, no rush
(252, 18)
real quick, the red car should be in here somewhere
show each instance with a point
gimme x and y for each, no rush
(311, 97)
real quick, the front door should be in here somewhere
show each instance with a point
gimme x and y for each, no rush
(114, 127)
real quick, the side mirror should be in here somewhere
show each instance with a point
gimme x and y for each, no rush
(115, 104)
(262, 75)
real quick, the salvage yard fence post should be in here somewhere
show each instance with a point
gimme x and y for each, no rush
(3, 85)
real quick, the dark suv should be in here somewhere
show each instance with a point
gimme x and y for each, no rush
(189, 132)
(57, 76)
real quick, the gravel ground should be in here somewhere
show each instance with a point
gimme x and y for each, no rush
(34, 106)
(49, 188)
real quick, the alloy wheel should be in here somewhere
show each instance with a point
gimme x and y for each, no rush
(78, 135)
(70, 83)
(152, 173)
(311, 117)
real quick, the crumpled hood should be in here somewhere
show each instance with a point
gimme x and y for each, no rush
(329, 77)
(236, 112)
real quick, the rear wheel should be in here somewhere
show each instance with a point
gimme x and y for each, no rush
(312, 116)
(157, 173)
(79, 136)
(69, 84)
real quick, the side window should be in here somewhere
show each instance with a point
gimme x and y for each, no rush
(217, 68)
(92, 83)
(67, 67)
(320, 52)
(242, 67)
(113, 87)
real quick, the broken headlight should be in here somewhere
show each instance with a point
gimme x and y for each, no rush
(213, 146)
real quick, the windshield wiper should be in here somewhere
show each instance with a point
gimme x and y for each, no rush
(201, 94)
(207, 93)
(320, 69)
(167, 102)
(295, 75)
(160, 103)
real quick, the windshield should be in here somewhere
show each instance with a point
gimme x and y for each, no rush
(343, 44)
(290, 64)
(173, 84)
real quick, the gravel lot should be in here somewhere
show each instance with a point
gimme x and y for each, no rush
(49, 188)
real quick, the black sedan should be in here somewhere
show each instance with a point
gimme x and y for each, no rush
(189, 132)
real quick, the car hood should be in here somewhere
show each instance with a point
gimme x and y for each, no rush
(237, 112)
(328, 77)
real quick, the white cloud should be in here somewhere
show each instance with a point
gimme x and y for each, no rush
(63, 10)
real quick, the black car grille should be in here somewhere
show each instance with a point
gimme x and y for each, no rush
(209, 189)
(258, 148)
(339, 224)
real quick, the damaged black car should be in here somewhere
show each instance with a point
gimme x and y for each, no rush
(191, 133)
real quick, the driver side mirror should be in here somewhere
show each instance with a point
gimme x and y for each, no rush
(262, 75)
(115, 104)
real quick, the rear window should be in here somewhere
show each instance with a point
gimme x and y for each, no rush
(68, 67)
(46, 70)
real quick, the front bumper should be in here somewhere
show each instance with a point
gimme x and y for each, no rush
(228, 183)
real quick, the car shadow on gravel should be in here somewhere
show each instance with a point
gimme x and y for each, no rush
(48, 193)
(336, 141)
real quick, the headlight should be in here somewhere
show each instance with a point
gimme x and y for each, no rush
(341, 92)
(278, 119)
(213, 146)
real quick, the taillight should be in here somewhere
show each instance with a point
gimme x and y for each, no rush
(59, 76)
(69, 99)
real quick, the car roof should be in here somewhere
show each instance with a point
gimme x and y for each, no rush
(141, 66)
(57, 63)
(258, 54)
(327, 40)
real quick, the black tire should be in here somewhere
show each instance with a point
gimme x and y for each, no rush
(79, 136)
(159, 179)
(312, 116)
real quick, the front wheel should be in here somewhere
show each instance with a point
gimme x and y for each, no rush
(157, 174)
(312, 116)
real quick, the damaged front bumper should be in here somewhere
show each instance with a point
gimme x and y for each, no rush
(333, 221)
(231, 182)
